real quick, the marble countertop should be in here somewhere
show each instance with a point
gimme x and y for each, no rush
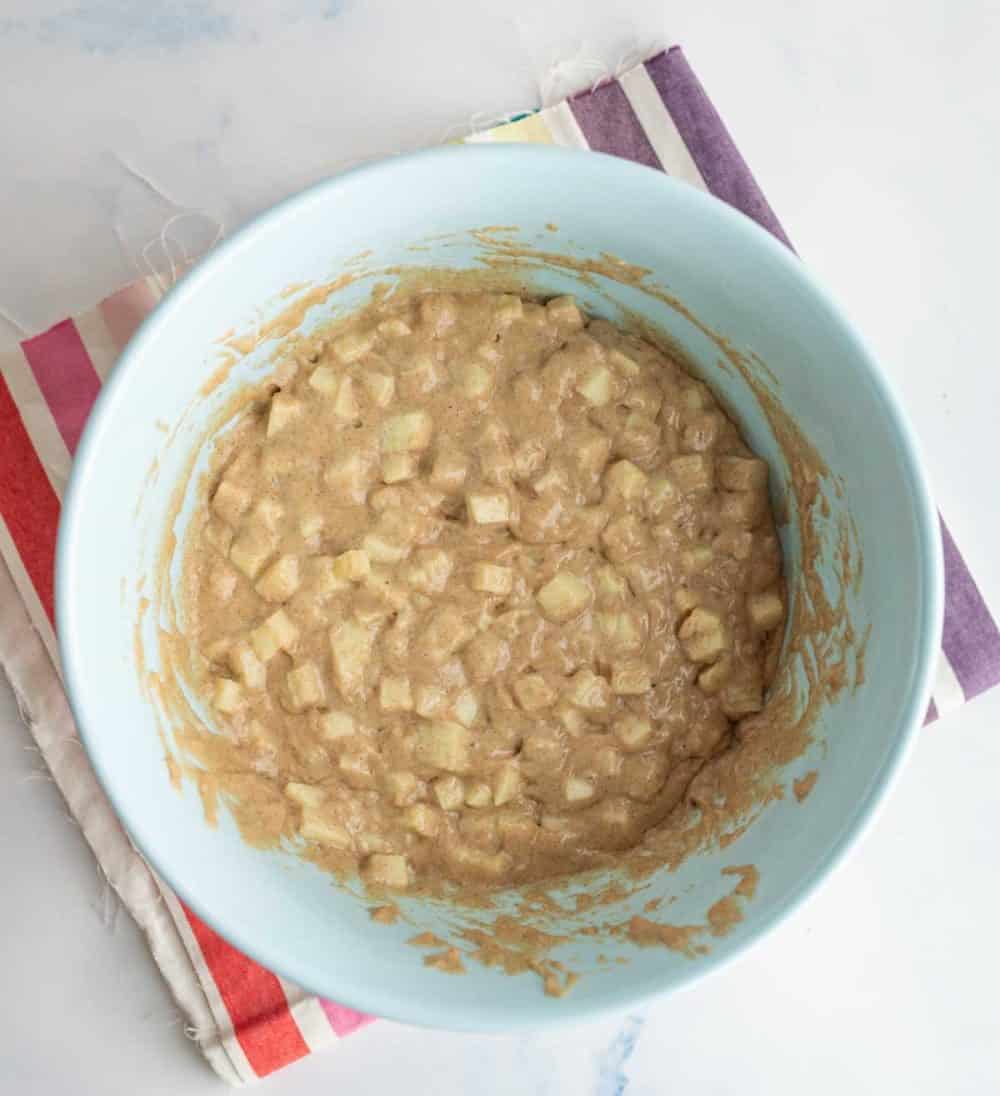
(132, 132)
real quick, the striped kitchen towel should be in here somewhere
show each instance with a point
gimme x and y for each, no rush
(250, 1022)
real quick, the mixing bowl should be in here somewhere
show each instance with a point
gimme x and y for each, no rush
(724, 285)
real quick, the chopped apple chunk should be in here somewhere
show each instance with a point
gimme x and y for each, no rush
(305, 687)
(564, 597)
(280, 580)
(351, 650)
(231, 501)
(488, 578)
(488, 507)
(702, 635)
(444, 745)
(407, 432)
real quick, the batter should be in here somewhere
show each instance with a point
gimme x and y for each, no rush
(480, 588)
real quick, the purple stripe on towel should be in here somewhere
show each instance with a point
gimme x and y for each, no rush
(609, 123)
(971, 639)
(932, 713)
(722, 167)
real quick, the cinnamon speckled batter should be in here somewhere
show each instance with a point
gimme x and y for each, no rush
(479, 589)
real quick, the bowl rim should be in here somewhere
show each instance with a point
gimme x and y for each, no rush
(380, 1000)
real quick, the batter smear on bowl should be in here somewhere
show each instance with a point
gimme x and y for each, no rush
(478, 589)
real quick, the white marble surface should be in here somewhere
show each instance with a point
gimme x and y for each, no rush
(872, 126)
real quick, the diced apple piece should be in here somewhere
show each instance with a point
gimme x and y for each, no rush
(506, 784)
(381, 387)
(231, 501)
(766, 610)
(624, 481)
(488, 578)
(355, 766)
(353, 345)
(406, 432)
(475, 379)
(306, 795)
(277, 633)
(465, 707)
(449, 471)
(633, 732)
(702, 635)
(692, 473)
(422, 819)
(661, 496)
(315, 827)
(325, 379)
(685, 599)
(305, 687)
(429, 570)
(697, 559)
(247, 666)
(449, 791)
(395, 327)
(552, 479)
(564, 312)
(628, 367)
(737, 543)
(352, 566)
(250, 551)
(702, 431)
(741, 473)
(508, 309)
(336, 726)
(268, 513)
(348, 478)
(743, 697)
(488, 507)
(345, 402)
(280, 580)
(399, 467)
(322, 578)
(591, 450)
(381, 550)
(741, 507)
(533, 692)
(394, 694)
(479, 794)
(630, 681)
(485, 656)
(419, 376)
(564, 597)
(387, 869)
(350, 650)
(624, 538)
(446, 632)
(402, 787)
(712, 679)
(578, 790)
(596, 386)
(571, 718)
(612, 587)
(444, 745)
(284, 409)
(227, 696)
(695, 398)
(429, 701)
(621, 631)
(589, 691)
(219, 535)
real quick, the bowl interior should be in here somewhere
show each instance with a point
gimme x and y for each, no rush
(735, 280)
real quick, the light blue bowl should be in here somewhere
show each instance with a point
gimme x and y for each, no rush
(733, 277)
